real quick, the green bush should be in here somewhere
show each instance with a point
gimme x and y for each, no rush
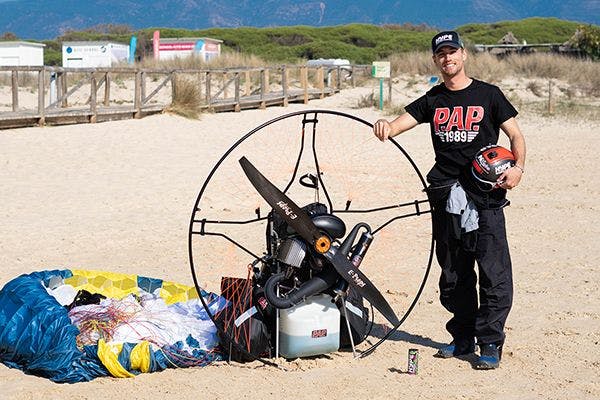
(359, 43)
(532, 30)
(587, 39)
(52, 53)
(52, 57)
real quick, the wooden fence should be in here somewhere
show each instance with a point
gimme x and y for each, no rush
(55, 95)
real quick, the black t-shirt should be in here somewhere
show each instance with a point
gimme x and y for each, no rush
(462, 122)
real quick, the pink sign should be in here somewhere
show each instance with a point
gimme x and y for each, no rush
(211, 47)
(176, 46)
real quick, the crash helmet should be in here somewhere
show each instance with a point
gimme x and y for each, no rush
(489, 163)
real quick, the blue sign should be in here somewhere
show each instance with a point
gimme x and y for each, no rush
(132, 46)
(69, 50)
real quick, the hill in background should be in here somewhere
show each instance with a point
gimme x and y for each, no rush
(359, 43)
(33, 19)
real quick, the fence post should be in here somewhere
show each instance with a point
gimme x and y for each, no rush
(224, 83)
(304, 82)
(41, 98)
(339, 79)
(107, 89)
(352, 76)
(64, 85)
(173, 86)
(389, 91)
(199, 75)
(137, 101)
(93, 98)
(262, 104)
(208, 99)
(59, 91)
(237, 107)
(284, 85)
(15, 90)
(321, 83)
(143, 87)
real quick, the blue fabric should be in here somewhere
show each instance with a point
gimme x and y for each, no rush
(169, 357)
(149, 284)
(125, 359)
(36, 334)
(174, 356)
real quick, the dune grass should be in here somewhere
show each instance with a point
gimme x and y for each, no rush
(187, 100)
(583, 75)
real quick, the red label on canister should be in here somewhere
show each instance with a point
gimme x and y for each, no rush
(319, 333)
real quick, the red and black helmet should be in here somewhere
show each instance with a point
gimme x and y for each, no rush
(489, 163)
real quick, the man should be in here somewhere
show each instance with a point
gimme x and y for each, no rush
(465, 115)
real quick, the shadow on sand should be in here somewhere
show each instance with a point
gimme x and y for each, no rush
(380, 331)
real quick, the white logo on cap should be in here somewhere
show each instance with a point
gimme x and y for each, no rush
(443, 38)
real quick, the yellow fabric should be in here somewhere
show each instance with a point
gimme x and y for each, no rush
(140, 357)
(116, 285)
(108, 353)
(109, 284)
(172, 292)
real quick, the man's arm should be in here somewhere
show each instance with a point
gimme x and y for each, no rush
(512, 176)
(384, 129)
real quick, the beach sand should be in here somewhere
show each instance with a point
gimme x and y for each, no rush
(117, 196)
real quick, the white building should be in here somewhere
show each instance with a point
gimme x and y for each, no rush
(21, 54)
(93, 54)
(331, 65)
(170, 48)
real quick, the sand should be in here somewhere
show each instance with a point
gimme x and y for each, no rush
(117, 196)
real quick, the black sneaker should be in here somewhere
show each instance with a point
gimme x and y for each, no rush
(458, 347)
(489, 357)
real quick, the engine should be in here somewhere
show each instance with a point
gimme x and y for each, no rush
(295, 270)
(305, 287)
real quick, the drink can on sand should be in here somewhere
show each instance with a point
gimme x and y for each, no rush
(413, 361)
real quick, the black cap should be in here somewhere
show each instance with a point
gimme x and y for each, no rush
(446, 38)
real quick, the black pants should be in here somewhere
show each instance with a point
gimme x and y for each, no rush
(483, 316)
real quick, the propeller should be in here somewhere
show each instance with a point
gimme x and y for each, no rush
(304, 226)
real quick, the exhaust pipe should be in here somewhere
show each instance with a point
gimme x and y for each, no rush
(318, 284)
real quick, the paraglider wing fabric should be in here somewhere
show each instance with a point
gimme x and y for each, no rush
(42, 337)
(36, 334)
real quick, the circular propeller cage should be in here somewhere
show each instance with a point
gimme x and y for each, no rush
(356, 177)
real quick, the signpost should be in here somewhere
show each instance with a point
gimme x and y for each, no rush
(381, 70)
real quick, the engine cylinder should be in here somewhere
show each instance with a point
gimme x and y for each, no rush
(292, 252)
